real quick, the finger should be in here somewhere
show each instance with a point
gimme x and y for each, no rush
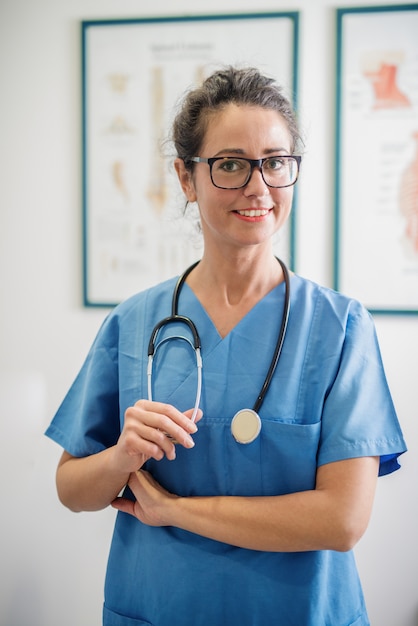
(185, 440)
(190, 412)
(125, 505)
(144, 441)
(160, 441)
(159, 426)
(158, 411)
(155, 442)
(142, 484)
(170, 421)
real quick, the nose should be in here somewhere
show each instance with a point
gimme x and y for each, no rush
(256, 185)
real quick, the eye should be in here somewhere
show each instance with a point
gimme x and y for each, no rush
(275, 163)
(231, 166)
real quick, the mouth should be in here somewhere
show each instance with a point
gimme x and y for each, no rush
(253, 212)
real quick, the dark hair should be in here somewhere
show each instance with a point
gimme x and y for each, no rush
(245, 86)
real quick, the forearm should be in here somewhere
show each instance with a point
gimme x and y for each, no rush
(93, 482)
(331, 517)
(89, 483)
(295, 522)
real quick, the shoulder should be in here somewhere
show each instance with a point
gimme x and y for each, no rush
(154, 296)
(315, 299)
(332, 315)
(155, 301)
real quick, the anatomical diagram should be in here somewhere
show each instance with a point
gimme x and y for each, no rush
(408, 200)
(381, 69)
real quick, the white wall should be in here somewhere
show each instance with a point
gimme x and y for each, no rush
(52, 561)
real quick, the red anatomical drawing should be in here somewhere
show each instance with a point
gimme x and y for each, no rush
(409, 198)
(381, 68)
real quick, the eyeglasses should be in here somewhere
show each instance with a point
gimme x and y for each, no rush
(235, 172)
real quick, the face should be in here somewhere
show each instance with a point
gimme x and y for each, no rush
(251, 215)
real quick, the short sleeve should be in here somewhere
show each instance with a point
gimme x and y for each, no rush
(87, 421)
(359, 417)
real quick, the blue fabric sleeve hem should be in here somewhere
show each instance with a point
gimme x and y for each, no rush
(56, 435)
(389, 463)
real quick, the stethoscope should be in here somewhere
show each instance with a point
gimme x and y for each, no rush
(246, 423)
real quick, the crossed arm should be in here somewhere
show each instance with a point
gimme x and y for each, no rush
(333, 516)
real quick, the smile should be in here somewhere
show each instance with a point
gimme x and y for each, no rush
(253, 212)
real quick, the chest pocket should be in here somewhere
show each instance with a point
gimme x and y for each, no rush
(281, 460)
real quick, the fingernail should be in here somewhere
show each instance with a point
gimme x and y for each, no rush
(189, 442)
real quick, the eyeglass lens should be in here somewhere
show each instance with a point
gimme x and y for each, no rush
(230, 173)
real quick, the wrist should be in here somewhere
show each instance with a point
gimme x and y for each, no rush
(115, 465)
(170, 510)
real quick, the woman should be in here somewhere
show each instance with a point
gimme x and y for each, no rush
(227, 520)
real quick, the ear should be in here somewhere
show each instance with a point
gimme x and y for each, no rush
(185, 179)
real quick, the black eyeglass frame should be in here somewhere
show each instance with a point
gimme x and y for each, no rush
(253, 164)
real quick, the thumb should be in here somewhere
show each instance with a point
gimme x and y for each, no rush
(124, 504)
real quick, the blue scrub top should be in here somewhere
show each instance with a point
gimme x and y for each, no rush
(328, 401)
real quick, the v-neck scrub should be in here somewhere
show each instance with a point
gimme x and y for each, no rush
(328, 401)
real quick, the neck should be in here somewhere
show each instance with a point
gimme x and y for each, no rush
(236, 275)
(229, 287)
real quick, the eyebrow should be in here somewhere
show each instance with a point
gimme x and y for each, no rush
(240, 151)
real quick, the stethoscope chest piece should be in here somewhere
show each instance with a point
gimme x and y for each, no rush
(246, 426)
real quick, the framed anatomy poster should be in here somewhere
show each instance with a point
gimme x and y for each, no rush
(377, 157)
(134, 74)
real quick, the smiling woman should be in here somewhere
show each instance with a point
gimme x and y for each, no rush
(251, 175)
(217, 524)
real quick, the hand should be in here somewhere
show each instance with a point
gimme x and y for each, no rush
(150, 430)
(150, 500)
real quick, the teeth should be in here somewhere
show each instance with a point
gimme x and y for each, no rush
(254, 212)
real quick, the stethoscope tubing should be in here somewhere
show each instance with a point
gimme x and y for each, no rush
(280, 342)
(196, 345)
(199, 365)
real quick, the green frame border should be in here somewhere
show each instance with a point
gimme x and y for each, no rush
(85, 26)
(340, 13)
